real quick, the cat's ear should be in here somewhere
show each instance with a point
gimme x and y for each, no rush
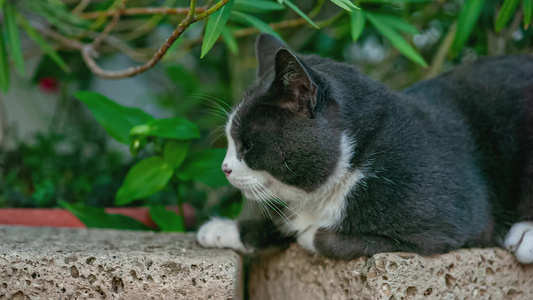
(266, 47)
(300, 92)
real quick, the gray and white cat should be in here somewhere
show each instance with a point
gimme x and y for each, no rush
(350, 168)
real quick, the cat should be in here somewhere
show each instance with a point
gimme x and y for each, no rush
(350, 168)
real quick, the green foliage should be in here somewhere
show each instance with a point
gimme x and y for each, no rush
(214, 27)
(117, 120)
(96, 217)
(465, 24)
(505, 14)
(13, 36)
(172, 163)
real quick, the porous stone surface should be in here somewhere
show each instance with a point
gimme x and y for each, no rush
(463, 274)
(54, 263)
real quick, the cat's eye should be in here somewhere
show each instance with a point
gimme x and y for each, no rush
(247, 145)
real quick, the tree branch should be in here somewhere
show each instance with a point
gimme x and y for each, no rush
(88, 51)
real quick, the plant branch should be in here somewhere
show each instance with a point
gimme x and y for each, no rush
(141, 11)
(88, 51)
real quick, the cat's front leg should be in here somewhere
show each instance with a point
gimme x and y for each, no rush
(242, 235)
(333, 244)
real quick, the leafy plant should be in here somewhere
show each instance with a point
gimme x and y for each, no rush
(173, 163)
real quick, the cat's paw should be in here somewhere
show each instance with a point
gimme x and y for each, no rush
(220, 233)
(519, 240)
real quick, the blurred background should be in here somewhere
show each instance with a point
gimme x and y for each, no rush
(55, 148)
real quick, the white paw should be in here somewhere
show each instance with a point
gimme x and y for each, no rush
(220, 233)
(306, 239)
(519, 240)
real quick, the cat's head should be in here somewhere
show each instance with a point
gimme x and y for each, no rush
(284, 137)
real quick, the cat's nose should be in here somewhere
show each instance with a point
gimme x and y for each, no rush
(226, 169)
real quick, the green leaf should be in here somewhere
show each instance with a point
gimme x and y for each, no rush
(137, 143)
(167, 220)
(13, 36)
(47, 49)
(116, 119)
(2, 2)
(394, 21)
(255, 22)
(465, 24)
(345, 4)
(528, 12)
(173, 128)
(175, 152)
(396, 39)
(230, 41)
(505, 14)
(4, 64)
(96, 217)
(214, 27)
(204, 166)
(257, 6)
(299, 12)
(357, 21)
(145, 178)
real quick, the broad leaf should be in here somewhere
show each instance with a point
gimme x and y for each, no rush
(465, 24)
(145, 178)
(96, 217)
(357, 21)
(257, 6)
(230, 40)
(204, 166)
(396, 22)
(47, 48)
(300, 13)
(396, 39)
(255, 22)
(116, 119)
(505, 14)
(214, 27)
(4, 64)
(173, 128)
(175, 152)
(167, 220)
(528, 11)
(345, 4)
(10, 20)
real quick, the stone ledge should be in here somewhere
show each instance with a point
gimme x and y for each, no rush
(53, 263)
(463, 274)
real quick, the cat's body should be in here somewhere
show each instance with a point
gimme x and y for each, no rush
(350, 168)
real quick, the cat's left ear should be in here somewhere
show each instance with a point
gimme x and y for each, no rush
(300, 92)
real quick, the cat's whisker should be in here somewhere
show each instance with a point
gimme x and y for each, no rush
(276, 198)
(259, 200)
(215, 139)
(267, 195)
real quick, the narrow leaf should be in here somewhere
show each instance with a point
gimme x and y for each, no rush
(345, 4)
(357, 21)
(214, 27)
(230, 41)
(167, 220)
(255, 22)
(116, 119)
(13, 36)
(528, 12)
(204, 166)
(397, 40)
(175, 152)
(2, 2)
(47, 49)
(465, 24)
(257, 6)
(299, 12)
(505, 14)
(145, 178)
(396, 22)
(4, 64)
(96, 217)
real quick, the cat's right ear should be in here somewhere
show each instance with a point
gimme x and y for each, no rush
(266, 47)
